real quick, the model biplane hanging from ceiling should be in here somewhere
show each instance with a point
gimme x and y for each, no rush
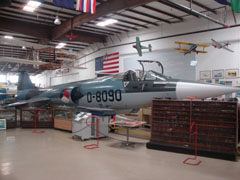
(192, 47)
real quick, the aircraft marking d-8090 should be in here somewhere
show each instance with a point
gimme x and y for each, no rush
(118, 93)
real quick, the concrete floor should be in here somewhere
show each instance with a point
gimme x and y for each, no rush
(55, 155)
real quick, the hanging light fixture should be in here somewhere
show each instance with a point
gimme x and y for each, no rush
(57, 21)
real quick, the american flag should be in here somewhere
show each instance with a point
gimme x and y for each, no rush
(108, 64)
(87, 6)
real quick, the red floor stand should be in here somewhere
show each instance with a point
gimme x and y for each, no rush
(197, 162)
(114, 120)
(93, 146)
(35, 131)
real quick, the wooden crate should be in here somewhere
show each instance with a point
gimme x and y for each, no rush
(217, 124)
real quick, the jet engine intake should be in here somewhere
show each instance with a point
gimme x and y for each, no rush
(71, 95)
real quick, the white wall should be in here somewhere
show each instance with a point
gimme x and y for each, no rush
(214, 59)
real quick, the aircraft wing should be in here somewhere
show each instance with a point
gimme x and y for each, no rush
(183, 50)
(21, 61)
(224, 47)
(183, 43)
(97, 110)
(139, 51)
(187, 43)
(216, 42)
(31, 101)
(197, 51)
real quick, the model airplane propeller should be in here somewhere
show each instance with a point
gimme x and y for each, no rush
(139, 47)
(219, 45)
(192, 47)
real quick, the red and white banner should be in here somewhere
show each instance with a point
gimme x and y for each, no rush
(87, 6)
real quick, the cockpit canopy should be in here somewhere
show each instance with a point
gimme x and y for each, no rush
(154, 76)
(148, 76)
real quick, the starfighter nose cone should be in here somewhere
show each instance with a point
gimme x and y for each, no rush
(201, 91)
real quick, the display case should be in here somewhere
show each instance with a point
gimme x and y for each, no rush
(36, 118)
(10, 116)
(63, 119)
(216, 122)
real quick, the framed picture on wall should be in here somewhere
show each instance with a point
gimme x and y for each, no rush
(218, 74)
(205, 75)
(231, 73)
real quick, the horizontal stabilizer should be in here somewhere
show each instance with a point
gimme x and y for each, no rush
(31, 101)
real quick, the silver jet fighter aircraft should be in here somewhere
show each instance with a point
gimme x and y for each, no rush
(115, 94)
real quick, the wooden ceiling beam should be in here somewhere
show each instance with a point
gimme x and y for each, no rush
(162, 12)
(43, 32)
(93, 31)
(100, 29)
(127, 22)
(137, 19)
(30, 29)
(102, 10)
(149, 16)
(85, 37)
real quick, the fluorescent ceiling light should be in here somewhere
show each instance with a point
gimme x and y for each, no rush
(34, 4)
(107, 22)
(111, 21)
(8, 37)
(31, 6)
(101, 24)
(61, 45)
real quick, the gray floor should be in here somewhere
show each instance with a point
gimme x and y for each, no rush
(54, 155)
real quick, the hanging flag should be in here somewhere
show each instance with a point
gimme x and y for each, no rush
(5, 3)
(87, 6)
(108, 64)
(223, 2)
(64, 3)
(235, 6)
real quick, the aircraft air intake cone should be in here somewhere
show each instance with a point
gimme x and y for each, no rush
(201, 91)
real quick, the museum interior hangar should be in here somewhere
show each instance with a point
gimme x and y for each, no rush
(89, 88)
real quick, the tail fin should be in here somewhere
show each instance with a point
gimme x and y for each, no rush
(24, 82)
(150, 47)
